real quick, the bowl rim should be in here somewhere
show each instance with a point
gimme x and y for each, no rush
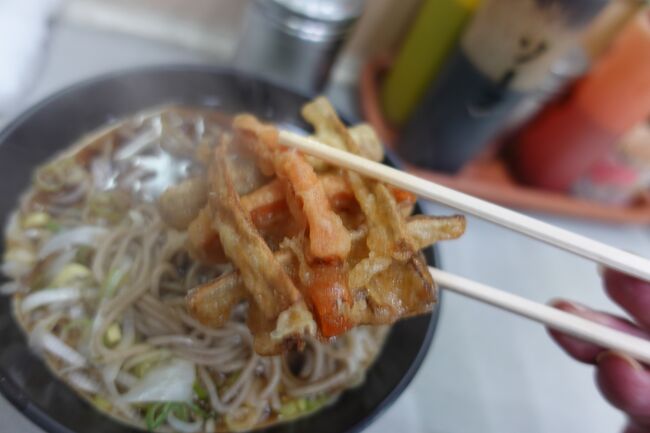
(39, 415)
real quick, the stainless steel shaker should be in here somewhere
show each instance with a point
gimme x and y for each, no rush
(295, 42)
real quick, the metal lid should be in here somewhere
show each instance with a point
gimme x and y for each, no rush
(317, 20)
(325, 10)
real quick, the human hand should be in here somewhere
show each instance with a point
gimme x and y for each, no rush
(624, 382)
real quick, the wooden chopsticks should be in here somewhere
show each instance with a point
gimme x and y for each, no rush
(601, 253)
(559, 320)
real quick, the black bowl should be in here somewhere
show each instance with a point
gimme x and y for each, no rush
(55, 123)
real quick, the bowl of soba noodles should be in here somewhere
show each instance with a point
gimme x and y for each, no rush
(167, 267)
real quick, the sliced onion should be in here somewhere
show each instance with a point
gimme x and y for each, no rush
(97, 324)
(83, 382)
(9, 288)
(183, 426)
(102, 173)
(115, 279)
(47, 341)
(128, 179)
(137, 144)
(136, 217)
(84, 235)
(70, 197)
(126, 379)
(76, 311)
(18, 263)
(59, 262)
(14, 269)
(35, 233)
(171, 381)
(13, 231)
(110, 371)
(49, 297)
(243, 418)
(128, 329)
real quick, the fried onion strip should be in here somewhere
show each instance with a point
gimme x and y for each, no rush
(180, 204)
(267, 206)
(295, 263)
(212, 302)
(267, 282)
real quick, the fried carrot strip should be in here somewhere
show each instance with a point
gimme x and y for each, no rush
(387, 233)
(331, 299)
(328, 238)
(329, 242)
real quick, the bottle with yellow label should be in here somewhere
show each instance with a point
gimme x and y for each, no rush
(425, 49)
(504, 55)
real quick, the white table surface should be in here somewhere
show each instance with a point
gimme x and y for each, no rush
(487, 371)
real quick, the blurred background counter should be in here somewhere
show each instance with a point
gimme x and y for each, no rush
(487, 371)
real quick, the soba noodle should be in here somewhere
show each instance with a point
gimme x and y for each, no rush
(99, 285)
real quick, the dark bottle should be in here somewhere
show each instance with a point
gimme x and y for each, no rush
(504, 55)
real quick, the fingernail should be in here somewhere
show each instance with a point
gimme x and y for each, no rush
(630, 361)
(563, 303)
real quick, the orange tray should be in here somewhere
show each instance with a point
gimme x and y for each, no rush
(487, 176)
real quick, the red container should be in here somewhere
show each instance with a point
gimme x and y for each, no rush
(574, 132)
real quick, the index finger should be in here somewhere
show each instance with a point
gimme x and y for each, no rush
(632, 294)
(582, 350)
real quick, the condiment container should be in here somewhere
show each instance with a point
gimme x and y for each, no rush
(505, 53)
(576, 130)
(623, 175)
(424, 51)
(295, 42)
